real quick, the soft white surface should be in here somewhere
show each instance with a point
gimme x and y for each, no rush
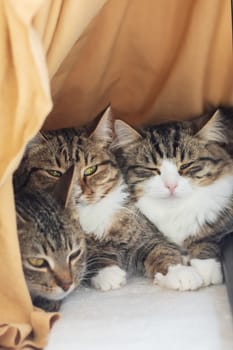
(140, 316)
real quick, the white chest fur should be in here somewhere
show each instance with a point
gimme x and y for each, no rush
(179, 218)
(98, 217)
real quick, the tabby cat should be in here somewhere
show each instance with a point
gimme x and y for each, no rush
(182, 181)
(119, 238)
(52, 243)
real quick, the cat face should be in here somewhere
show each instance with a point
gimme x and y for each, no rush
(47, 157)
(50, 154)
(170, 162)
(52, 269)
(52, 243)
(96, 168)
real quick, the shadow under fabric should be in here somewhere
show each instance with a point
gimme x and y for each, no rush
(153, 61)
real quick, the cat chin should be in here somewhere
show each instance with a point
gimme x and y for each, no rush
(57, 294)
(167, 198)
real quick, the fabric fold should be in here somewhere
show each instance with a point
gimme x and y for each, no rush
(31, 47)
(154, 61)
(145, 58)
(32, 335)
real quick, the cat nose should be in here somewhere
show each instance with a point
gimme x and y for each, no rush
(66, 285)
(171, 186)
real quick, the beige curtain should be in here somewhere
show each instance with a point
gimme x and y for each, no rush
(153, 60)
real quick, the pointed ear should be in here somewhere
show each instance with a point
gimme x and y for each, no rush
(63, 187)
(125, 134)
(104, 129)
(38, 139)
(214, 129)
(20, 221)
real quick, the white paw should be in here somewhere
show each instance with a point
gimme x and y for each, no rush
(179, 277)
(110, 277)
(210, 270)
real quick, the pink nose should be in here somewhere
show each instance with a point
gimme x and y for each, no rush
(171, 186)
(66, 285)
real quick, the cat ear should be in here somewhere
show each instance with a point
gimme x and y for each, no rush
(125, 134)
(63, 187)
(20, 221)
(104, 129)
(38, 139)
(214, 129)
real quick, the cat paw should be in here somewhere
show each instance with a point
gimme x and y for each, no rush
(179, 277)
(110, 277)
(210, 270)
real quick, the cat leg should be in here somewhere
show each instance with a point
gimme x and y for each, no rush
(46, 304)
(160, 258)
(104, 264)
(165, 264)
(204, 257)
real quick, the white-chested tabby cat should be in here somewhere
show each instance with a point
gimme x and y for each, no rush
(52, 243)
(119, 237)
(182, 181)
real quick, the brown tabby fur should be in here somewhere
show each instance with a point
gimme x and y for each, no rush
(130, 240)
(202, 156)
(48, 228)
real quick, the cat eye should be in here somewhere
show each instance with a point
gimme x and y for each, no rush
(75, 255)
(38, 262)
(191, 168)
(91, 170)
(54, 173)
(185, 166)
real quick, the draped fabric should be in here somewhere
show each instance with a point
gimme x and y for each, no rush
(153, 60)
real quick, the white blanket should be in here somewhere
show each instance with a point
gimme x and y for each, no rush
(143, 316)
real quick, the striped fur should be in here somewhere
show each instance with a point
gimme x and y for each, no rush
(50, 231)
(126, 238)
(48, 150)
(182, 179)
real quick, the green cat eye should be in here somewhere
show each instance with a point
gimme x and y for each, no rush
(54, 173)
(37, 262)
(91, 170)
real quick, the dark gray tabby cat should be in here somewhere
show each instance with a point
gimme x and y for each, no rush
(182, 181)
(52, 243)
(119, 237)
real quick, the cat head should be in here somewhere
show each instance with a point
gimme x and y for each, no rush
(51, 241)
(172, 160)
(50, 154)
(96, 167)
(47, 156)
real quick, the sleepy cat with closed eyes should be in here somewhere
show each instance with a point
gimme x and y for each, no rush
(51, 241)
(182, 181)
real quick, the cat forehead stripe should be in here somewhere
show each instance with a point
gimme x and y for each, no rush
(165, 140)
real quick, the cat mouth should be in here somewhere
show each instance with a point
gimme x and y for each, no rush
(170, 197)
